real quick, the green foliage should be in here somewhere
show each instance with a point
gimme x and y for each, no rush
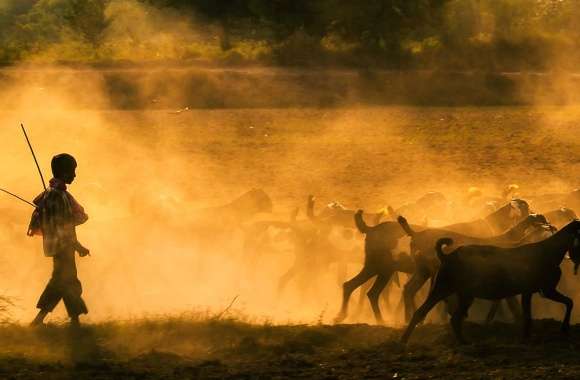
(55, 30)
(453, 34)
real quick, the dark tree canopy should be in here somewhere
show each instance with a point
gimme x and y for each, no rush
(400, 34)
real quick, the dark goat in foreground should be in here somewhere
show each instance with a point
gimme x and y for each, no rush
(538, 233)
(426, 263)
(488, 272)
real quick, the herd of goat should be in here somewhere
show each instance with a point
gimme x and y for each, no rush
(510, 251)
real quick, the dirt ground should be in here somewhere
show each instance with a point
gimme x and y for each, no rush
(226, 349)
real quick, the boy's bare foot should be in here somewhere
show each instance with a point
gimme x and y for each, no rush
(74, 322)
(39, 319)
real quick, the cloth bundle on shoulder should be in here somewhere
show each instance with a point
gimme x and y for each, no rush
(56, 215)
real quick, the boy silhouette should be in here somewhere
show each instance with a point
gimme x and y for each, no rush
(55, 218)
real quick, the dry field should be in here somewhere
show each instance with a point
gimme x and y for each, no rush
(370, 156)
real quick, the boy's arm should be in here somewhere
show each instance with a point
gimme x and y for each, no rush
(82, 250)
(62, 219)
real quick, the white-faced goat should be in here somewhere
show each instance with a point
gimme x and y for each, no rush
(488, 272)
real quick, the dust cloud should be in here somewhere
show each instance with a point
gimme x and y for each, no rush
(145, 181)
(145, 177)
(157, 147)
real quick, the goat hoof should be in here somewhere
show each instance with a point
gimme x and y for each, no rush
(405, 338)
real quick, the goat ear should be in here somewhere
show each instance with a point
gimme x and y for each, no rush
(515, 211)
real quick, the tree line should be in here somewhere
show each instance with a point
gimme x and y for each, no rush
(495, 35)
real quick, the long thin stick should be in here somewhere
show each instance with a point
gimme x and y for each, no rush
(227, 308)
(18, 197)
(33, 156)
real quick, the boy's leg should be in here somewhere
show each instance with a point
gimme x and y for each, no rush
(39, 319)
(74, 321)
(48, 300)
(73, 301)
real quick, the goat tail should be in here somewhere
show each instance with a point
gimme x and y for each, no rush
(439, 247)
(405, 225)
(360, 223)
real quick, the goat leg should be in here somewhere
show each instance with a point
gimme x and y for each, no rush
(556, 296)
(515, 308)
(459, 315)
(492, 311)
(362, 297)
(421, 313)
(527, 314)
(349, 287)
(411, 288)
(375, 293)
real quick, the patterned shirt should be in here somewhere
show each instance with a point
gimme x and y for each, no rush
(55, 218)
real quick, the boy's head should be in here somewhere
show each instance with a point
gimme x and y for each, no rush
(63, 167)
